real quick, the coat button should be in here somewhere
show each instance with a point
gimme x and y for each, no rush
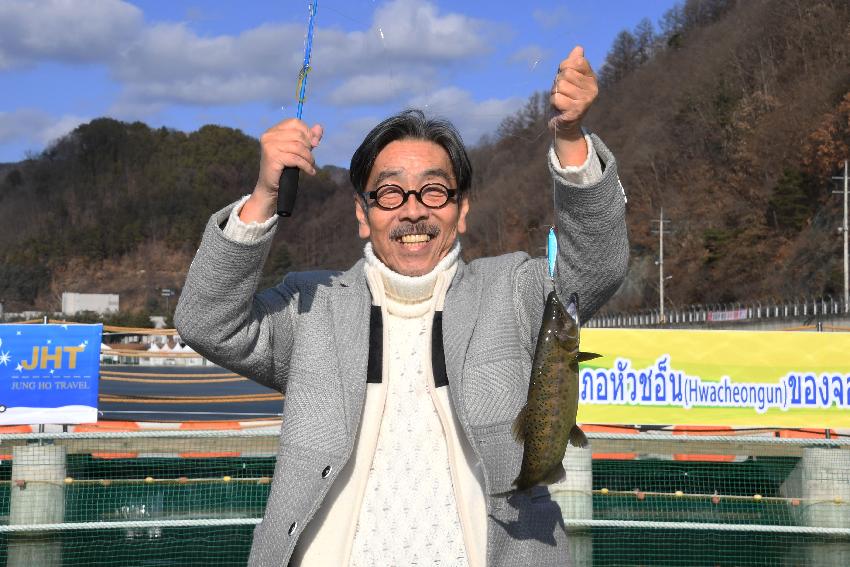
(326, 472)
(293, 527)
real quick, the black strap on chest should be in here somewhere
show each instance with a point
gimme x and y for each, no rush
(376, 346)
(438, 356)
(374, 369)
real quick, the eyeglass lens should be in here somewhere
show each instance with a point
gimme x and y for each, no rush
(393, 196)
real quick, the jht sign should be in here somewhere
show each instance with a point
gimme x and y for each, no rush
(49, 373)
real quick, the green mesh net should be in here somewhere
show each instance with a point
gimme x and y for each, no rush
(194, 498)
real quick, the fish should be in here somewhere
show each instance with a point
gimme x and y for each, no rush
(547, 422)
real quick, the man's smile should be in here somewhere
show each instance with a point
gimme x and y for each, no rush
(414, 238)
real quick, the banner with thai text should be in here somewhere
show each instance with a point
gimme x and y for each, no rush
(49, 373)
(728, 378)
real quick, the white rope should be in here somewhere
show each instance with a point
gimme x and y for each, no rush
(131, 525)
(272, 431)
(763, 440)
(760, 528)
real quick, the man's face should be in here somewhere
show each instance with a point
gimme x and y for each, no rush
(413, 238)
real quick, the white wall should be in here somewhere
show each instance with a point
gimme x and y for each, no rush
(73, 303)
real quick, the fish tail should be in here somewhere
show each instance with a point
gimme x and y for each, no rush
(577, 437)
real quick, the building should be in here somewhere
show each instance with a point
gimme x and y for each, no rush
(73, 303)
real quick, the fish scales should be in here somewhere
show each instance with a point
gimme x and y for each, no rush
(548, 421)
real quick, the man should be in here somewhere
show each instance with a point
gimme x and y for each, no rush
(403, 375)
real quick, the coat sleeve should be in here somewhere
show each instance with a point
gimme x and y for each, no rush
(593, 248)
(221, 316)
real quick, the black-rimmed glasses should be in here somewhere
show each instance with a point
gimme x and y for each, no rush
(389, 197)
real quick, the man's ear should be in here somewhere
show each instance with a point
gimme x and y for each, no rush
(362, 218)
(463, 209)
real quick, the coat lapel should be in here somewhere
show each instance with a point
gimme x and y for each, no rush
(460, 313)
(350, 303)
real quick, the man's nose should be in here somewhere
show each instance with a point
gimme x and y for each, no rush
(413, 210)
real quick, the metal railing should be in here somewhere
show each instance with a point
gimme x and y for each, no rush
(718, 313)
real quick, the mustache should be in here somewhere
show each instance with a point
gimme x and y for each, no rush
(431, 230)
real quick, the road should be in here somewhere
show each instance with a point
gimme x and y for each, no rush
(183, 393)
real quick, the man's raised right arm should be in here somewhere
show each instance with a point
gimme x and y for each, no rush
(220, 314)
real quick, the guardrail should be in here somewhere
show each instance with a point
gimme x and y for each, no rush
(713, 313)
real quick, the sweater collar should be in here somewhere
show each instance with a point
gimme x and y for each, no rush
(403, 292)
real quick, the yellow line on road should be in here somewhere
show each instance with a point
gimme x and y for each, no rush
(166, 381)
(167, 374)
(194, 400)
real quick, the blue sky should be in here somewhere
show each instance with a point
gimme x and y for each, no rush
(186, 63)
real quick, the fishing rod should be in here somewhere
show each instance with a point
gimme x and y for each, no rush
(288, 184)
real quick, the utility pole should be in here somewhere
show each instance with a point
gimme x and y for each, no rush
(660, 230)
(843, 230)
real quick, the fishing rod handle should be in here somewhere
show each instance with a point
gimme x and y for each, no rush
(287, 190)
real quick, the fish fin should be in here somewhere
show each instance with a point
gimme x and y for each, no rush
(577, 437)
(572, 307)
(556, 475)
(519, 424)
(585, 356)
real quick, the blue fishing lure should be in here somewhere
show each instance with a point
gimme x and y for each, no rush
(552, 251)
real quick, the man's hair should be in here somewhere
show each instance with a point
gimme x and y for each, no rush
(411, 124)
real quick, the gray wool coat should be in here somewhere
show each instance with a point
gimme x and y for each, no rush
(308, 337)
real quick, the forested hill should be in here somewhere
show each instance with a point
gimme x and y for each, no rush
(116, 207)
(733, 116)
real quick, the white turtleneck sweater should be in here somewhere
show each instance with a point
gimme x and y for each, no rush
(409, 484)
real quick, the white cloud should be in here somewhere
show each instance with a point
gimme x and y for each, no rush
(473, 118)
(377, 88)
(407, 46)
(414, 29)
(64, 30)
(58, 127)
(170, 63)
(35, 126)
